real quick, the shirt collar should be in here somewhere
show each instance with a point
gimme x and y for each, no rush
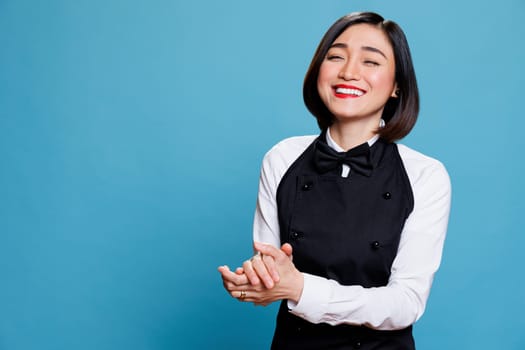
(330, 141)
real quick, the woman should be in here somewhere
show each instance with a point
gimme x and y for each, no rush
(364, 217)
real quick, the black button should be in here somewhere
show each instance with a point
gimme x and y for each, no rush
(357, 345)
(387, 195)
(307, 186)
(375, 245)
(294, 234)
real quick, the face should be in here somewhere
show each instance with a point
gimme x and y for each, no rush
(357, 76)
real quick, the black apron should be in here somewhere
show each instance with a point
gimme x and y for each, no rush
(345, 229)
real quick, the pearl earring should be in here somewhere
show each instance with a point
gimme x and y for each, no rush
(397, 92)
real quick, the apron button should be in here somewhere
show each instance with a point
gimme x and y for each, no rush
(295, 235)
(307, 186)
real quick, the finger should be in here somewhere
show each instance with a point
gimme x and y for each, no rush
(223, 268)
(229, 276)
(239, 271)
(262, 303)
(246, 296)
(287, 249)
(262, 271)
(230, 287)
(229, 279)
(270, 250)
(249, 297)
(271, 267)
(239, 295)
(250, 273)
(225, 272)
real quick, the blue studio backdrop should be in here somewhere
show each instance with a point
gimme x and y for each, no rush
(131, 135)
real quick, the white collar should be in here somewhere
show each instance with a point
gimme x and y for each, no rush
(330, 141)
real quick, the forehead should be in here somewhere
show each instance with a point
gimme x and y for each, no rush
(365, 35)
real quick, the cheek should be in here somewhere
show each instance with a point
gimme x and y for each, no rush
(320, 89)
(324, 81)
(383, 81)
(321, 77)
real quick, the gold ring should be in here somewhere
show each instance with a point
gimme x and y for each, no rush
(243, 295)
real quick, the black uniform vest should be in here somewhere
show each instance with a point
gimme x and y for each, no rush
(345, 229)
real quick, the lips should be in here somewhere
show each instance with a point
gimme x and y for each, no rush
(348, 91)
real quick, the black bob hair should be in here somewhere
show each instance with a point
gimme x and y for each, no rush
(400, 114)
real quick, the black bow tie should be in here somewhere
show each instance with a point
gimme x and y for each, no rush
(358, 158)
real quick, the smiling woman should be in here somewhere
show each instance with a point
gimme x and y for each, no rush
(399, 112)
(364, 218)
(357, 77)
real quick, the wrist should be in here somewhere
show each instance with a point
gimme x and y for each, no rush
(297, 291)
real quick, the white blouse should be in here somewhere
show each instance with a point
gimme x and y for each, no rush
(402, 301)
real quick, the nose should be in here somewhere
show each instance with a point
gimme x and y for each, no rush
(350, 71)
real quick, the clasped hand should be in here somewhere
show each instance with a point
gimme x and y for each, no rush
(268, 276)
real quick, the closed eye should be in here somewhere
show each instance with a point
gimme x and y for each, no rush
(334, 57)
(371, 63)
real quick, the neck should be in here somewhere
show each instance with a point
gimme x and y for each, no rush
(353, 133)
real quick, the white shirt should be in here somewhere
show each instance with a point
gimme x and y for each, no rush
(402, 301)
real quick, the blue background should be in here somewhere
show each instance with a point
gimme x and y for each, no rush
(131, 134)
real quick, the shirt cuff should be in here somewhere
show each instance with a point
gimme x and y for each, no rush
(314, 299)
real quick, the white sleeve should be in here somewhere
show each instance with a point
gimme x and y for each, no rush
(266, 222)
(402, 301)
(275, 164)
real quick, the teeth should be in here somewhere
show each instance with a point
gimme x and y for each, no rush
(346, 91)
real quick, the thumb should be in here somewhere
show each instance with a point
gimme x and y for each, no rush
(287, 249)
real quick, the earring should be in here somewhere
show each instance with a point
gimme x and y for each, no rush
(381, 123)
(397, 92)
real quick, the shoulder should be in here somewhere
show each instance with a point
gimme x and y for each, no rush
(288, 150)
(422, 169)
(281, 156)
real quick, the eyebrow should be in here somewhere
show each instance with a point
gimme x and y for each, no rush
(365, 48)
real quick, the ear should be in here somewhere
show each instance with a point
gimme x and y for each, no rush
(395, 91)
